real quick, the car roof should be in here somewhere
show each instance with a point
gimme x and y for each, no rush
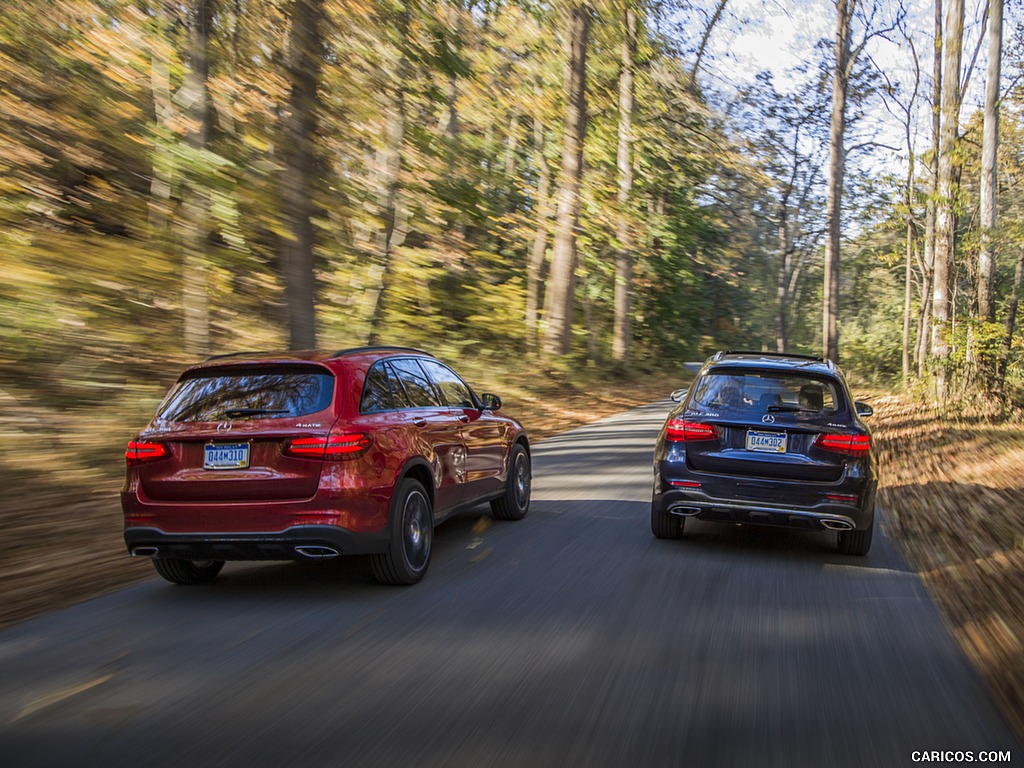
(777, 361)
(366, 354)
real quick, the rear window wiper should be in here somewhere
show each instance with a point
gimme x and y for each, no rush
(792, 409)
(236, 413)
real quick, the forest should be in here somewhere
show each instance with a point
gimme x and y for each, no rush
(503, 180)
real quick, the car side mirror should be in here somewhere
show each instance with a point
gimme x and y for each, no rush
(679, 394)
(490, 402)
(863, 409)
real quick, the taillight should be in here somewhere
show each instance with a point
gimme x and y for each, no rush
(139, 451)
(680, 431)
(331, 448)
(854, 445)
(843, 498)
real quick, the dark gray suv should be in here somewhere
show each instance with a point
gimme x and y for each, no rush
(767, 439)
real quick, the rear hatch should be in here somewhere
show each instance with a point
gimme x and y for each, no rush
(229, 430)
(766, 425)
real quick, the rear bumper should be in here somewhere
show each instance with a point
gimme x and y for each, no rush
(777, 510)
(296, 543)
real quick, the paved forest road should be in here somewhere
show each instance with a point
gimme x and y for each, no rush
(572, 638)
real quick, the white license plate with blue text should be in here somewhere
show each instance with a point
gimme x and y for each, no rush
(226, 456)
(766, 442)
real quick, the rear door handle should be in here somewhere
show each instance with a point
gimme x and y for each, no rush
(463, 418)
(420, 422)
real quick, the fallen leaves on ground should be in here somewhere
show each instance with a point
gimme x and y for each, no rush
(953, 489)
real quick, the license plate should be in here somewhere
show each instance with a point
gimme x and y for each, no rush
(766, 442)
(226, 456)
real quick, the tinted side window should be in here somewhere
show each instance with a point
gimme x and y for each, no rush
(376, 393)
(275, 393)
(454, 391)
(417, 386)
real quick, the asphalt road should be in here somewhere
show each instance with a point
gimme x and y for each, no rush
(571, 638)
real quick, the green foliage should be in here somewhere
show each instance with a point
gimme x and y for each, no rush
(436, 123)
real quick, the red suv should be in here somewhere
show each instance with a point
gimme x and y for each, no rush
(315, 455)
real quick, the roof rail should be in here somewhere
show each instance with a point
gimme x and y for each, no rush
(793, 355)
(383, 348)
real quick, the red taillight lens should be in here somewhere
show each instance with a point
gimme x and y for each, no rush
(854, 445)
(332, 447)
(139, 452)
(680, 431)
(843, 498)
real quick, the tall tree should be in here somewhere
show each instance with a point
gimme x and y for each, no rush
(195, 236)
(846, 56)
(945, 219)
(303, 64)
(559, 297)
(989, 164)
(539, 243)
(923, 346)
(623, 292)
(390, 160)
(837, 173)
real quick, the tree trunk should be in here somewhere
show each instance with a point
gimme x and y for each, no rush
(623, 292)
(907, 295)
(911, 232)
(389, 199)
(196, 204)
(989, 164)
(559, 297)
(923, 350)
(945, 220)
(538, 250)
(1011, 319)
(303, 64)
(782, 284)
(837, 173)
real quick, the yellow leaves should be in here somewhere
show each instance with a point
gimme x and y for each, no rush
(118, 50)
(256, 142)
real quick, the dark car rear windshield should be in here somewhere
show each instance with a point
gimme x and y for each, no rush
(264, 393)
(735, 391)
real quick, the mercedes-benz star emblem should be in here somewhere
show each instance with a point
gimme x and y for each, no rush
(224, 426)
(768, 419)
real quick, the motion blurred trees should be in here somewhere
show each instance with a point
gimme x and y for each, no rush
(192, 177)
(210, 175)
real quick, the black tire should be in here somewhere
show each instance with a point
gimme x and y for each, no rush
(856, 542)
(665, 525)
(515, 502)
(179, 571)
(412, 534)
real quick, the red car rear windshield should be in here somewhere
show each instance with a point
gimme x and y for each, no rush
(250, 393)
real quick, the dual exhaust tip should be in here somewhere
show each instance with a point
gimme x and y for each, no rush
(837, 525)
(314, 552)
(682, 510)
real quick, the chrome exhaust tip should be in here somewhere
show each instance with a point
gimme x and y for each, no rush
(837, 525)
(145, 552)
(683, 510)
(317, 552)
